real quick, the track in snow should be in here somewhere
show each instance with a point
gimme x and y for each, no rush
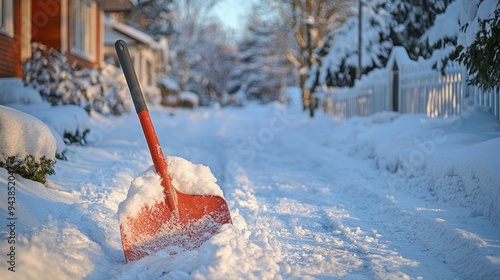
(327, 214)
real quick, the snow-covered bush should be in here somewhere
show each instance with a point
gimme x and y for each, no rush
(27, 146)
(152, 94)
(188, 99)
(169, 90)
(60, 83)
(105, 90)
(49, 72)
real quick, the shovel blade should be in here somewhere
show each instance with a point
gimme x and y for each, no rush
(158, 227)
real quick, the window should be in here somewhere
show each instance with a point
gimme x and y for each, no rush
(6, 20)
(83, 29)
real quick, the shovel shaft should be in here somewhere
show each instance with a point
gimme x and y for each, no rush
(146, 123)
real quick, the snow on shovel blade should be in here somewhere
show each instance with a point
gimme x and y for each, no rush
(182, 220)
(157, 228)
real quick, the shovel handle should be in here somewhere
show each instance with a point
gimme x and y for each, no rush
(130, 76)
(146, 123)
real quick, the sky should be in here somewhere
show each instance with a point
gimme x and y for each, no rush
(233, 13)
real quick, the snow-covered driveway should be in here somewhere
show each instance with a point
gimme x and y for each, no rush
(310, 199)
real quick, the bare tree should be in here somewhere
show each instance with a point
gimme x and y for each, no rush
(189, 18)
(311, 21)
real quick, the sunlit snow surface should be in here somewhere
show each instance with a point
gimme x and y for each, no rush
(388, 196)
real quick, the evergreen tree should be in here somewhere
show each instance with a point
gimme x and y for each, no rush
(468, 31)
(410, 19)
(479, 43)
(384, 24)
(338, 58)
(262, 68)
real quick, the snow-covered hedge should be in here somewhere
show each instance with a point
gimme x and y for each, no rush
(59, 82)
(27, 146)
(105, 90)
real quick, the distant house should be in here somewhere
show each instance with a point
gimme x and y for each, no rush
(149, 56)
(73, 27)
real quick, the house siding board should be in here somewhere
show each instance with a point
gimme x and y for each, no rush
(10, 47)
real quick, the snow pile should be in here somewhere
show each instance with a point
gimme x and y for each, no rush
(192, 178)
(12, 90)
(146, 190)
(22, 135)
(228, 254)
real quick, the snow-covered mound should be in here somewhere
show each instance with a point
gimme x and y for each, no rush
(68, 123)
(227, 254)
(12, 90)
(22, 134)
(65, 119)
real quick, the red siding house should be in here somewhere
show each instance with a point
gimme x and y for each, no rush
(73, 27)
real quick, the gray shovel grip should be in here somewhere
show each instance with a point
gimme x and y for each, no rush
(130, 76)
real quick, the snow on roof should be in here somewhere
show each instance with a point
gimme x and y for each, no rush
(189, 96)
(114, 30)
(169, 83)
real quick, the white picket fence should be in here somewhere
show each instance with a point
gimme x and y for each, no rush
(412, 87)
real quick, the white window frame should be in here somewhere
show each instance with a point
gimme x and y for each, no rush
(7, 17)
(83, 28)
(26, 29)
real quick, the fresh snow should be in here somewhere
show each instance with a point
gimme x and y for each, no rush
(146, 189)
(63, 119)
(388, 196)
(22, 134)
(190, 178)
(12, 90)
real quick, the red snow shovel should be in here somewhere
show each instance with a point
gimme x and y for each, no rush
(183, 221)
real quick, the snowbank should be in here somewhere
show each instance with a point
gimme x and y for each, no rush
(452, 160)
(22, 134)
